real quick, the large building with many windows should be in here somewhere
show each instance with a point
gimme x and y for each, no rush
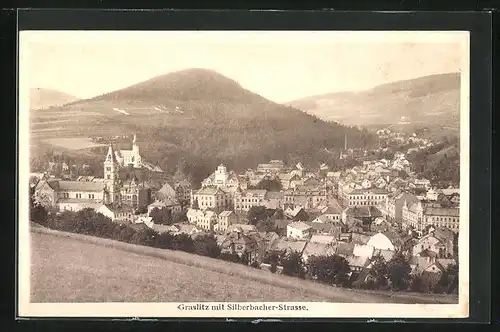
(367, 197)
(420, 215)
(244, 200)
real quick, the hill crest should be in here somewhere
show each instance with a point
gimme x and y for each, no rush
(433, 99)
(43, 98)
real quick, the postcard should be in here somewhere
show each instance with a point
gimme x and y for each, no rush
(226, 174)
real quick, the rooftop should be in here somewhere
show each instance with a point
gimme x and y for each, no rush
(299, 225)
(80, 186)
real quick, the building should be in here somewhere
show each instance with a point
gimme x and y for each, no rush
(382, 242)
(204, 219)
(116, 214)
(439, 242)
(244, 200)
(298, 230)
(129, 192)
(296, 214)
(419, 216)
(394, 206)
(129, 157)
(305, 197)
(367, 197)
(318, 249)
(274, 166)
(274, 200)
(69, 195)
(224, 220)
(333, 212)
(211, 198)
(181, 191)
(244, 245)
(221, 178)
(169, 204)
(289, 180)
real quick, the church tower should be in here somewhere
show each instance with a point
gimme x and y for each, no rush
(136, 156)
(111, 177)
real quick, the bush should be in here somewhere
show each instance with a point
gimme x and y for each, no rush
(230, 257)
(332, 269)
(183, 242)
(293, 265)
(144, 237)
(164, 241)
(399, 272)
(38, 214)
(207, 246)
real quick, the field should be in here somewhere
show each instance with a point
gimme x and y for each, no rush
(64, 270)
(75, 268)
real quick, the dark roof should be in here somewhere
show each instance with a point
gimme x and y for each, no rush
(359, 238)
(363, 212)
(444, 234)
(345, 249)
(81, 186)
(445, 212)
(139, 227)
(375, 191)
(281, 223)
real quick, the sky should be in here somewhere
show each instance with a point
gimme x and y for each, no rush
(281, 66)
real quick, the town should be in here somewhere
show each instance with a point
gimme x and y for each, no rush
(369, 215)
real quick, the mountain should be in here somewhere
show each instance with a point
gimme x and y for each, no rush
(198, 118)
(41, 98)
(429, 100)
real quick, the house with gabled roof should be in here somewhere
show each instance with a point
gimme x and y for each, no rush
(224, 220)
(289, 246)
(296, 214)
(318, 249)
(298, 230)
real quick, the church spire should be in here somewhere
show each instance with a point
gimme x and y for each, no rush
(135, 139)
(111, 154)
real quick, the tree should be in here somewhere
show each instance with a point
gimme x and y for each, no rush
(38, 213)
(256, 214)
(266, 226)
(399, 272)
(164, 241)
(206, 245)
(279, 214)
(269, 185)
(293, 265)
(161, 216)
(448, 283)
(183, 242)
(379, 271)
(144, 237)
(331, 269)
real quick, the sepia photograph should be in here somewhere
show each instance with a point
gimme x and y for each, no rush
(244, 174)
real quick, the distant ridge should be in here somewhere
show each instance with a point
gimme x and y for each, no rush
(427, 100)
(41, 98)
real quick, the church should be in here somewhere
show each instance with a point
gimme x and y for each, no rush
(111, 190)
(129, 157)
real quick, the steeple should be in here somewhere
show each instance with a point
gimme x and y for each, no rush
(110, 157)
(135, 139)
(345, 142)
